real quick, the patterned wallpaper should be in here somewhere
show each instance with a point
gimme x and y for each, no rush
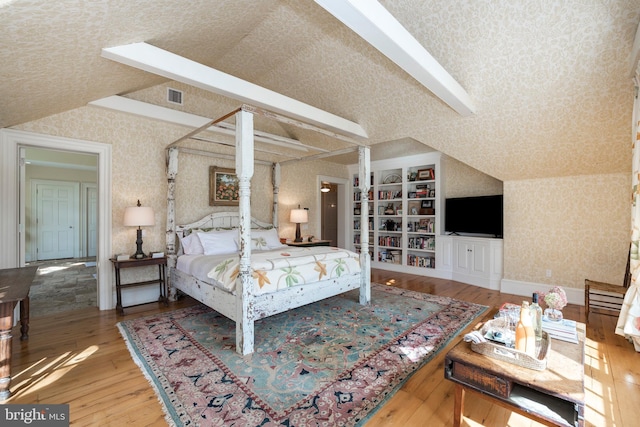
(299, 186)
(550, 80)
(576, 227)
(461, 180)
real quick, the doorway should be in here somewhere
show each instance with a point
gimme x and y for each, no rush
(12, 192)
(60, 205)
(329, 205)
(58, 213)
(333, 205)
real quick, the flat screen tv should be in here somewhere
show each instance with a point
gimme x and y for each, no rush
(474, 216)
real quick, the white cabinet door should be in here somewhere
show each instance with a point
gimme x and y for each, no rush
(471, 257)
(444, 249)
(463, 260)
(477, 261)
(479, 265)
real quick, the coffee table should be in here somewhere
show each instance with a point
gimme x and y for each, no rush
(553, 396)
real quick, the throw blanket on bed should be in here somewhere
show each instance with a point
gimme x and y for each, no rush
(289, 266)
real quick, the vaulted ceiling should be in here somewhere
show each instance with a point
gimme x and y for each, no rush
(550, 80)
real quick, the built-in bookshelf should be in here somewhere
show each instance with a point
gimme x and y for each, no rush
(404, 212)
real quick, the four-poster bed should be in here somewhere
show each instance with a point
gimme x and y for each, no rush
(244, 301)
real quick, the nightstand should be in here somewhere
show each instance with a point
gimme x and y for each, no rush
(144, 262)
(307, 244)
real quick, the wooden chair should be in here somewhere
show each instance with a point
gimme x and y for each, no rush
(604, 297)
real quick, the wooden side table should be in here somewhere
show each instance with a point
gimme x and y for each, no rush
(305, 244)
(130, 263)
(14, 288)
(553, 397)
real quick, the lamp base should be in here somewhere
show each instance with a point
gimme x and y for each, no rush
(298, 235)
(139, 254)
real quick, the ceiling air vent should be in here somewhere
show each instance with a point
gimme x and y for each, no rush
(174, 96)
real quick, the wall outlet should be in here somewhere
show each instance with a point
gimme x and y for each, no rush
(548, 273)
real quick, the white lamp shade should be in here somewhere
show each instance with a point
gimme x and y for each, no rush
(139, 216)
(299, 216)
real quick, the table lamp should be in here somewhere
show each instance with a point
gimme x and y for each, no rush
(299, 216)
(139, 216)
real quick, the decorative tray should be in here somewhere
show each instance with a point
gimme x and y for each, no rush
(511, 355)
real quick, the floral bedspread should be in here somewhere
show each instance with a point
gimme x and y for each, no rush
(287, 267)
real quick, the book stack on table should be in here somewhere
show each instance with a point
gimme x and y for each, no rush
(564, 329)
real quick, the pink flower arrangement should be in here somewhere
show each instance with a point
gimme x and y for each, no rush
(556, 298)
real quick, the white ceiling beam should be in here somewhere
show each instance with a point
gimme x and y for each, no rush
(156, 112)
(371, 21)
(150, 111)
(163, 63)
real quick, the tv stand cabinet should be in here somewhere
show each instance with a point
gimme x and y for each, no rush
(474, 260)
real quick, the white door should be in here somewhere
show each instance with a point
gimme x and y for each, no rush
(57, 220)
(92, 221)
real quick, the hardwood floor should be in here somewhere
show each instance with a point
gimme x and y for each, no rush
(79, 358)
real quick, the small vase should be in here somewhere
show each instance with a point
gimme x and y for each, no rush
(553, 315)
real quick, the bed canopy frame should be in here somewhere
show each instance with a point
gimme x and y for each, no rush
(244, 167)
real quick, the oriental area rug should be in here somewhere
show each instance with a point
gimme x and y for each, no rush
(330, 363)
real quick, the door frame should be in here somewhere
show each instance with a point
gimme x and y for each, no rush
(85, 214)
(12, 195)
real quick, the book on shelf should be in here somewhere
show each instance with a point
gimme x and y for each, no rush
(157, 254)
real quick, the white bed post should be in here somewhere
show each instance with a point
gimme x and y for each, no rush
(244, 293)
(275, 178)
(364, 166)
(172, 171)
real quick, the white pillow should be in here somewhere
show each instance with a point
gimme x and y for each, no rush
(264, 240)
(191, 245)
(219, 242)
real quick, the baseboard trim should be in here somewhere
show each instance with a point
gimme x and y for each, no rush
(482, 282)
(516, 287)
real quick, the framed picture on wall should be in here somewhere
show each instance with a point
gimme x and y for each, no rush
(223, 187)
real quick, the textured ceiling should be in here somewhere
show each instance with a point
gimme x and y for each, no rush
(551, 80)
